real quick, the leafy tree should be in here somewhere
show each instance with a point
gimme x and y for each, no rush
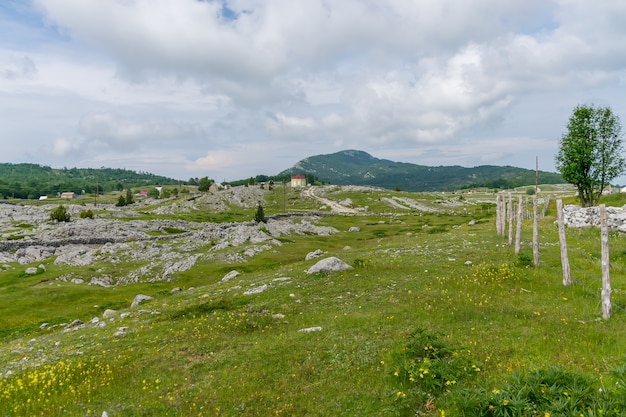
(121, 201)
(590, 152)
(205, 184)
(60, 214)
(259, 216)
(153, 193)
(129, 196)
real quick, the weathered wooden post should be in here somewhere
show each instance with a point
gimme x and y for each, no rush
(567, 274)
(510, 220)
(535, 232)
(546, 203)
(498, 214)
(518, 230)
(606, 277)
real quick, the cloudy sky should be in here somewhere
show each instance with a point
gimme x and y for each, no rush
(234, 88)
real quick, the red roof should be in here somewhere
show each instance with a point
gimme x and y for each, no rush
(298, 177)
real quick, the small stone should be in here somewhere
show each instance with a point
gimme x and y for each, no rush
(177, 289)
(468, 263)
(109, 313)
(256, 290)
(310, 329)
(354, 229)
(140, 298)
(232, 274)
(31, 271)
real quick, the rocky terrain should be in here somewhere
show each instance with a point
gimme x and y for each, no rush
(156, 248)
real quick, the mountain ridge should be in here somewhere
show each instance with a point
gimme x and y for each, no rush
(355, 167)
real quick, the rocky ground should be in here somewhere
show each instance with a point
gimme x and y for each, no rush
(160, 247)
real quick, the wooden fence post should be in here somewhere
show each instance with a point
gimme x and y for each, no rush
(567, 274)
(535, 232)
(498, 214)
(510, 220)
(606, 277)
(518, 230)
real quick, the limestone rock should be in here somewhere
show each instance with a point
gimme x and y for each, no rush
(315, 254)
(140, 298)
(232, 274)
(332, 264)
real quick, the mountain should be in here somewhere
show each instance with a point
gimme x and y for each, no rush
(353, 167)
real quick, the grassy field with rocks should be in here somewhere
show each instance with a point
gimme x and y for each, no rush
(437, 317)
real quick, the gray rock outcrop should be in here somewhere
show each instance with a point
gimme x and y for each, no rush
(328, 265)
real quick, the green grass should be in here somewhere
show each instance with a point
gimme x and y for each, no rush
(492, 333)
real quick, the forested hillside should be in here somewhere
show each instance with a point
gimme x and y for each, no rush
(360, 168)
(32, 180)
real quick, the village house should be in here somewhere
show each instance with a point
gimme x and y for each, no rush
(68, 195)
(298, 180)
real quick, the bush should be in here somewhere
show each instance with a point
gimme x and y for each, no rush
(60, 214)
(259, 216)
(121, 201)
(86, 214)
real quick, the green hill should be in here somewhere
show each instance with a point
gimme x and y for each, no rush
(32, 180)
(352, 167)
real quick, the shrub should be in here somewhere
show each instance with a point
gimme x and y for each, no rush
(86, 214)
(60, 214)
(259, 216)
(121, 201)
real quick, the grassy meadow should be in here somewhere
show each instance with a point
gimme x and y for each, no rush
(437, 318)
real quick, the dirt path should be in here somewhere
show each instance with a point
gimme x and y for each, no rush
(334, 206)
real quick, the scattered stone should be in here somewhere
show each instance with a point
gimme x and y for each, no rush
(328, 265)
(75, 323)
(8, 373)
(281, 279)
(468, 263)
(95, 320)
(77, 281)
(140, 298)
(310, 329)
(44, 325)
(31, 271)
(472, 222)
(347, 247)
(121, 331)
(354, 229)
(109, 313)
(177, 289)
(256, 290)
(105, 414)
(124, 315)
(315, 254)
(278, 316)
(232, 274)
(42, 267)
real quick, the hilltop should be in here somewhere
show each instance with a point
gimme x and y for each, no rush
(353, 167)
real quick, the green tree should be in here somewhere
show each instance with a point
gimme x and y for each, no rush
(590, 152)
(205, 184)
(121, 201)
(129, 196)
(259, 216)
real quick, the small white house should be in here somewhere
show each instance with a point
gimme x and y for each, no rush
(68, 195)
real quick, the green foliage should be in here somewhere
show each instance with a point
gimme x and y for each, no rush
(353, 167)
(259, 215)
(86, 214)
(590, 152)
(205, 184)
(121, 201)
(129, 196)
(60, 214)
(530, 191)
(23, 180)
(548, 391)
(153, 193)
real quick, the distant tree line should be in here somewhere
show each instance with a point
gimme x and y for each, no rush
(29, 181)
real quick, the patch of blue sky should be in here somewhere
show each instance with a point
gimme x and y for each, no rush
(24, 27)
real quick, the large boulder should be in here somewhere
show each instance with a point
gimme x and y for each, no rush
(328, 265)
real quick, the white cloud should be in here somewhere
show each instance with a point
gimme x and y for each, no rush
(283, 80)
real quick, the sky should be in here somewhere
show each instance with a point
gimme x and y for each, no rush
(230, 89)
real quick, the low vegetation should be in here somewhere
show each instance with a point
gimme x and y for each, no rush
(437, 318)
